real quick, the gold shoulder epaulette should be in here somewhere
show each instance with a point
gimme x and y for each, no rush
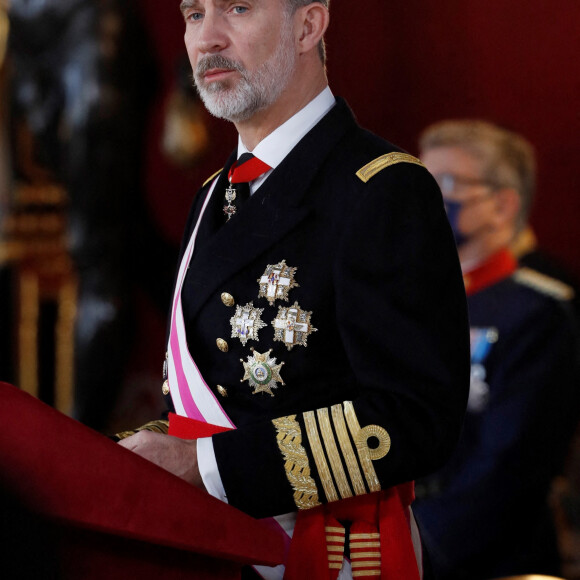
(380, 163)
(210, 178)
(544, 284)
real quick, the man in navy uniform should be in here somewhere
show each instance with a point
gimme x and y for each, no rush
(485, 514)
(318, 327)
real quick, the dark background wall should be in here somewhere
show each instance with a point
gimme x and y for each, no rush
(402, 65)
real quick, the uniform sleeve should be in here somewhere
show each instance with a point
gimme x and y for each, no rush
(401, 315)
(512, 449)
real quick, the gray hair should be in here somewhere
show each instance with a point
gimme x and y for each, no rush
(293, 5)
(508, 158)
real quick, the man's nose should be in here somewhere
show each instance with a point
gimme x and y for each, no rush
(212, 35)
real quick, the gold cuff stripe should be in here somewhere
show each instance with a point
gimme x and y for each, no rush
(367, 554)
(333, 455)
(357, 545)
(363, 573)
(319, 458)
(210, 178)
(335, 558)
(384, 161)
(347, 450)
(334, 529)
(160, 426)
(373, 536)
(335, 566)
(338, 539)
(335, 548)
(365, 563)
(297, 467)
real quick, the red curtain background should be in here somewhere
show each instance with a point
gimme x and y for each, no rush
(403, 65)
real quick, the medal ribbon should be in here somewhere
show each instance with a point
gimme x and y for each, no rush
(247, 168)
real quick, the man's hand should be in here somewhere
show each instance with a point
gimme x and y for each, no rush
(178, 456)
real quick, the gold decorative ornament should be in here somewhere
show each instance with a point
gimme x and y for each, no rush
(165, 388)
(262, 372)
(335, 540)
(276, 282)
(222, 345)
(366, 454)
(227, 299)
(246, 323)
(292, 325)
(222, 391)
(366, 433)
(297, 467)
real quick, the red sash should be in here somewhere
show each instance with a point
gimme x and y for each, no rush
(317, 536)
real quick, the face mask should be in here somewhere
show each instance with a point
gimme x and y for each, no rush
(453, 208)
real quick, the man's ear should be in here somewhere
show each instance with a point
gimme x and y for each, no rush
(311, 24)
(508, 205)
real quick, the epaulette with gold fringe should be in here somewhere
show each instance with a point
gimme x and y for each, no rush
(544, 284)
(160, 426)
(210, 178)
(384, 161)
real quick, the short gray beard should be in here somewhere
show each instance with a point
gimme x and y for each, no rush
(255, 91)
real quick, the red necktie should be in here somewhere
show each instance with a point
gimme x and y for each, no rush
(245, 169)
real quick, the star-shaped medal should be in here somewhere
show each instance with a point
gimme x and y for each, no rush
(246, 322)
(262, 372)
(277, 281)
(292, 325)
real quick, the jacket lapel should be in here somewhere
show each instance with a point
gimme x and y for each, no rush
(278, 207)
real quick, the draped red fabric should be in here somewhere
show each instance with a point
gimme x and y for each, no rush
(120, 516)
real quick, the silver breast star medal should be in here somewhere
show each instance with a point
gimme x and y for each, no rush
(262, 372)
(277, 281)
(246, 322)
(292, 325)
(230, 209)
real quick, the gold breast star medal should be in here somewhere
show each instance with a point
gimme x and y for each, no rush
(246, 322)
(292, 325)
(277, 281)
(262, 372)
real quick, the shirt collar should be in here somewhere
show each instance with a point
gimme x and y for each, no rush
(274, 148)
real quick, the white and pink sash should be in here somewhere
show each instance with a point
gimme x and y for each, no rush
(190, 393)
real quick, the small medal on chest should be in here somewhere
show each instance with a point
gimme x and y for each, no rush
(230, 196)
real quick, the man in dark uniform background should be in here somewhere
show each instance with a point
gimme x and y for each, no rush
(320, 325)
(485, 514)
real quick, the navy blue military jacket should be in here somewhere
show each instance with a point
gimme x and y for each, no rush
(377, 273)
(485, 514)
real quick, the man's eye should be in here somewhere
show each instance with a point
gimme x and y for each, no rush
(194, 16)
(240, 9)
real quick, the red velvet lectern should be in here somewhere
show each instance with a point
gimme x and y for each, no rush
(118, 515)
